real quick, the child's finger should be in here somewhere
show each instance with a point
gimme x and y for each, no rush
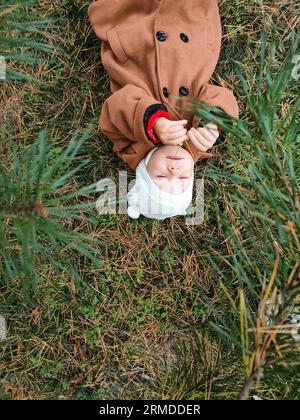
(180, 122)
(178, 141)
(202, 139)
(176, 134)
(196, 142)
(183, 139)
(206, 134)
(211, 126)
(175, 128)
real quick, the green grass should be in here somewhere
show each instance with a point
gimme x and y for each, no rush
(144, 330)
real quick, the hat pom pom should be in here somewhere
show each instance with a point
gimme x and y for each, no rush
(133, 212)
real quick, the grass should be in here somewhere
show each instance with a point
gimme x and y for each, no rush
(143, 331)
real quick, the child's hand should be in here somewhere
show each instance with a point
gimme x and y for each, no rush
(204, 137)
(169, 132)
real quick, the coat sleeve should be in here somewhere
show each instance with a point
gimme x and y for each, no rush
(127, 117)
(219, 97)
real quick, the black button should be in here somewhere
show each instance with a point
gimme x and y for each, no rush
(165, 92)
(183, 90)
(184, 37)
(161, 35)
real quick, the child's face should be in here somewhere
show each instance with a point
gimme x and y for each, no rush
(169, 174)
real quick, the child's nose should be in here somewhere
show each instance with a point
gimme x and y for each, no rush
(172, 168)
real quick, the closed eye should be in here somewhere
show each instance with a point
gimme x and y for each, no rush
(183, 177)
(161, 176)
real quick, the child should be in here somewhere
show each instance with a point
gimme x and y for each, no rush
(160, 55)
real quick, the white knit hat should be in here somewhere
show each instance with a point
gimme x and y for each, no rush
(146, 198)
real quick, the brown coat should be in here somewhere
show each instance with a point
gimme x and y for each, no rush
(159, 54)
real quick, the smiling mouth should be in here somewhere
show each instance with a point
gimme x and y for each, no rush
(174, 157)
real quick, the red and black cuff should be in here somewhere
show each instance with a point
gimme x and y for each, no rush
(151, 114)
